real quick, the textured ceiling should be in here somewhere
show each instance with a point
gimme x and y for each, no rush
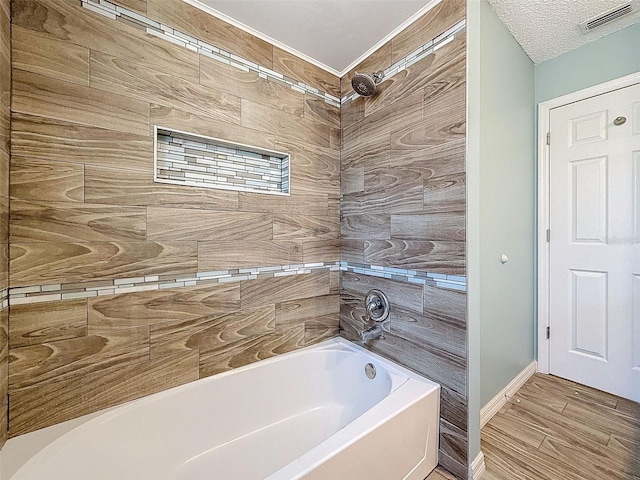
(334, 33)
(548, 28)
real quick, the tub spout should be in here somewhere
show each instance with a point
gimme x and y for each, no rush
(371, 333)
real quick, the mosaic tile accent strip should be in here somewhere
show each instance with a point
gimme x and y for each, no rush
(417, 55)
(452, 282)
(4, 298)
(54, 292)
(188, 159)
(116, 12)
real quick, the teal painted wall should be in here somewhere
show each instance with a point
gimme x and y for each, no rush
(607, 58)
(500, 208)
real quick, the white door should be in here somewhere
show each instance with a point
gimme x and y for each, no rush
(594, 250)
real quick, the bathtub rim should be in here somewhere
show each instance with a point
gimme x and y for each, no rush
(19, 450)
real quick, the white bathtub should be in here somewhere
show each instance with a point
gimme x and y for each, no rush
(310, 414)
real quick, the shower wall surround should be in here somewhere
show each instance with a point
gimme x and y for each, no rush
(403, 213)
(120, 286)
(5, 128)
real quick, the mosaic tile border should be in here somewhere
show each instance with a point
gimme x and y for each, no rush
(89, 289)
(116, 12)
(183, 158)
(97, 288)
(451, 282)
(417, 55)
(4, 298)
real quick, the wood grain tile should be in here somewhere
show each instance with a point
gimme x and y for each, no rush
(320, 111)
(431, 226)
(209, 330)
(49, 262)
(4, 352)
(195, 22)
(405, 112)
(39, 323)
(234, 327)
(5, 128)
(301, 70)
(435, 256)
(71, 222)
(224, 255)
(313, 335)
(366, 226)
(314, 170)
(438, 334)
(106, 185)
(282, 289)
(533, 438)
(409, 295)
(353, 111)
(170, 224)
(55, 140)
(46, 181)
(352, 250)
(159, 307)
(45, 96)
(51, 402)
(139, 6)
(68, 21)
(209, 126)
(444, 121)
(445, 194)
(314, 251)
(5, 53)
(308, 309)
(218, 76)
(62, 359)
(435, 75)
(284, 126)
(446, 305)
(352, 180)
(453, 407)
(437, 20)
(112, 74)
(389, 196)
(40, 53)
(365, 152)
(245, 351)
(305, 227)
(453, 442)
(296, 203)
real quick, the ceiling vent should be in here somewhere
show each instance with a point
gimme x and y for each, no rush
(609, 16)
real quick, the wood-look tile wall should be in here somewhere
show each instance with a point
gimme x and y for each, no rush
(87, 91)
(5, 151)
(403, 206)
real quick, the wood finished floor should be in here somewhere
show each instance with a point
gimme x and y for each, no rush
(556, 429)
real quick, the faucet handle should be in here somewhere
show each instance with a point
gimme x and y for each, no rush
(377, 305)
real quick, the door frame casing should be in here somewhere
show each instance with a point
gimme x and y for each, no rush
(544, 111)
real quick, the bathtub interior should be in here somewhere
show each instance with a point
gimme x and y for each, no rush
(308, 396)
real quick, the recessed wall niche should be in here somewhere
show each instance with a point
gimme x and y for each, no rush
(183, 158)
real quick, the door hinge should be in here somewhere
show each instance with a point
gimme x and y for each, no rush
(548, 138)
(548, 330)
(548, 235)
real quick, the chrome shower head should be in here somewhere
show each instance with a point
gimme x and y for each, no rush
(365, 84)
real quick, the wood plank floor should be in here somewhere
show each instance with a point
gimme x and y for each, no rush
(556, 429)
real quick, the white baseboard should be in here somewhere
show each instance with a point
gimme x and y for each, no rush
(477, 467)
(496, 403)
